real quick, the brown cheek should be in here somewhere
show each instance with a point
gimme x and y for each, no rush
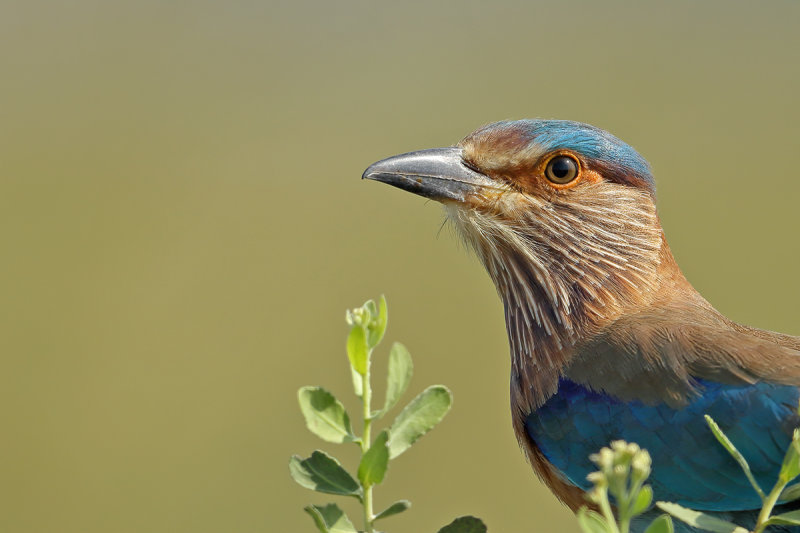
(485, 199)
(522, 179)
(529, 182)
(590, 176)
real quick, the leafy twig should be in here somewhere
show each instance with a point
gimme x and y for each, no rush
(327, 418)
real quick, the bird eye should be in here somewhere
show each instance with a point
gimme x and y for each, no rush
(561, 169)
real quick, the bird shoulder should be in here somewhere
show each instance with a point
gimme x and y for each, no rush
(658, 354)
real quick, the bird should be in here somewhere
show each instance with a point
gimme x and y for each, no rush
(608, 340)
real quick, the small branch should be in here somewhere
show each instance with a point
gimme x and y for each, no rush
(366, 439)
(769, 505)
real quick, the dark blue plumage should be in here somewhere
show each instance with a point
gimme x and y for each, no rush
(689, 466)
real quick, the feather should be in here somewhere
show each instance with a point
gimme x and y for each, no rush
(689, 466)
(608, 339)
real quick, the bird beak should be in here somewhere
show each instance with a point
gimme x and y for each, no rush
(439, 174)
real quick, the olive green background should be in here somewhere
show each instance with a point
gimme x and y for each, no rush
(183, 224)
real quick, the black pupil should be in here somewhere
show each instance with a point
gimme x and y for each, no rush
(562, 167)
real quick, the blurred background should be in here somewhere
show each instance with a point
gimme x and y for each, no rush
(183, 226)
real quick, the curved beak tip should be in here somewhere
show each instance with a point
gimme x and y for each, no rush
(369, 173)
(439, 174)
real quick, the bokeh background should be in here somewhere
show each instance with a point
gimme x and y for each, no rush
(183, 224)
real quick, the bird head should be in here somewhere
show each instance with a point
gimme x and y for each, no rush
(563, 217)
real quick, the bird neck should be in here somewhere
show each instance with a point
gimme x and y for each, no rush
(561, 288)
(545, 336)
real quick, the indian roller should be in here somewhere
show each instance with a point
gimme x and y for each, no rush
(608, 339)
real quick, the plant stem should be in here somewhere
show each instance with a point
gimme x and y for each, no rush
(624, 524)
(769, 504)
(366, 398)
(605, 508)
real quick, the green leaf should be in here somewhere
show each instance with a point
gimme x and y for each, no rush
(464, 524)
(370, 306)
(643, 501)
(591, 522)
(357, 349)
(699, 520)
(323, 473)
(791, 518)
(419, 417)
(790, 493)
(330, 519)
(378, 326)
(790, 468)
(396, 508)
(325, 415)
(728, 445)
(662, 524)
(400, 370)
(358, 382)
(373, 464)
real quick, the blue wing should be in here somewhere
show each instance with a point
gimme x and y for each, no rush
(689, 466)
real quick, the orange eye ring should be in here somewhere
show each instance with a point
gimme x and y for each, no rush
(562, 170)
